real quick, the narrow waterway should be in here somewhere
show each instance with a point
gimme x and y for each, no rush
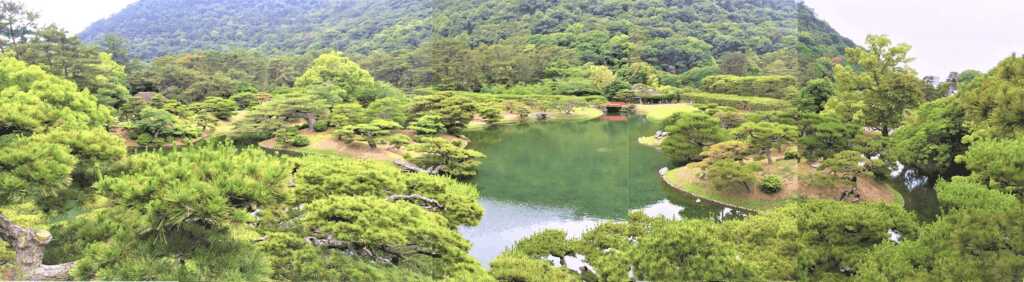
(575, 175)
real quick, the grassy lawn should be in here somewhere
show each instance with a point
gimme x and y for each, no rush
(661, 112)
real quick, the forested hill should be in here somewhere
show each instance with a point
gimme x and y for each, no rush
(161, 27)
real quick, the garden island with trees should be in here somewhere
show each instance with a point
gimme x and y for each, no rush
(364, 140)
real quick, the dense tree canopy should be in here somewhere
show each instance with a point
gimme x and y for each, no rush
(50, 131)
(689, 133)
(417, 74)
(882, 90)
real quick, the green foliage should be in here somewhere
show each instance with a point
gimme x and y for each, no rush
(290, 136)
(729, 175)
(245, 100)
(735, 63)
(836, 235)
(931, 137)
(846, 164)
(814, 94)
(823, 135)
(466, 46)
(334, 70)
(47, 129)
(58, 53)
(792, 154)
(181, 225)
(688, 250)
(190, 77)
(34, 171)
(321, 177)
(735, 150)
(993, 104)
(372, 133)
(221, 108)
(542, 244)
(764, 137)
(160, 127)
(448, 157)
(689, 133)
(429, 124)
(32, 100)
(393, 108)
(267, 118)
(879, 87)
(998, 163)
(771, 184)
(777, 87)
(518, 267)
(739, 102)
(966, 194)
(346, 114)
(677, 53)
(493, 115)
(964, 244)
(390, 227)
(455, 111)
(295, 259)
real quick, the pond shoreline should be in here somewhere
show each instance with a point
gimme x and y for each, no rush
(664, 179)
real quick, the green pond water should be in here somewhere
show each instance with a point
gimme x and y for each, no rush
(574, 175)
(571, 176)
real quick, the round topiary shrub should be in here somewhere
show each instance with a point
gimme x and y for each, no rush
(792, 154)
(771, 184)
(320, 127)
(300, 141)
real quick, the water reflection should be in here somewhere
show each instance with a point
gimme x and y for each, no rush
(571, 176)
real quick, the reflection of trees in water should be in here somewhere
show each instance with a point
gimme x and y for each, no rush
(918, 192)
(595, 168)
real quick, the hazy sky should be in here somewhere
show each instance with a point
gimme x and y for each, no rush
(75, 15)
(947, 35)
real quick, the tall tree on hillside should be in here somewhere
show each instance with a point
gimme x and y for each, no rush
(17, 22)
(116, 46)
(334, 70)
(879, 87)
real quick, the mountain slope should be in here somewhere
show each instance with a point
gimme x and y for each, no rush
(161, 27)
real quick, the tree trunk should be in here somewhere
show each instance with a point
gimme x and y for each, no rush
(311, 121)
(768, 155)
(28, 246)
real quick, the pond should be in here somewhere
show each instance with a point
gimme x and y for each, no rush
(570, 175)
(574, 175)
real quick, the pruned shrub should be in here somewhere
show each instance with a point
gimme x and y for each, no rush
(771, 184)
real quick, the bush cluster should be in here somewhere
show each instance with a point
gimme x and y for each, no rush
(774, 86)
(771, 184)
(744, 103)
